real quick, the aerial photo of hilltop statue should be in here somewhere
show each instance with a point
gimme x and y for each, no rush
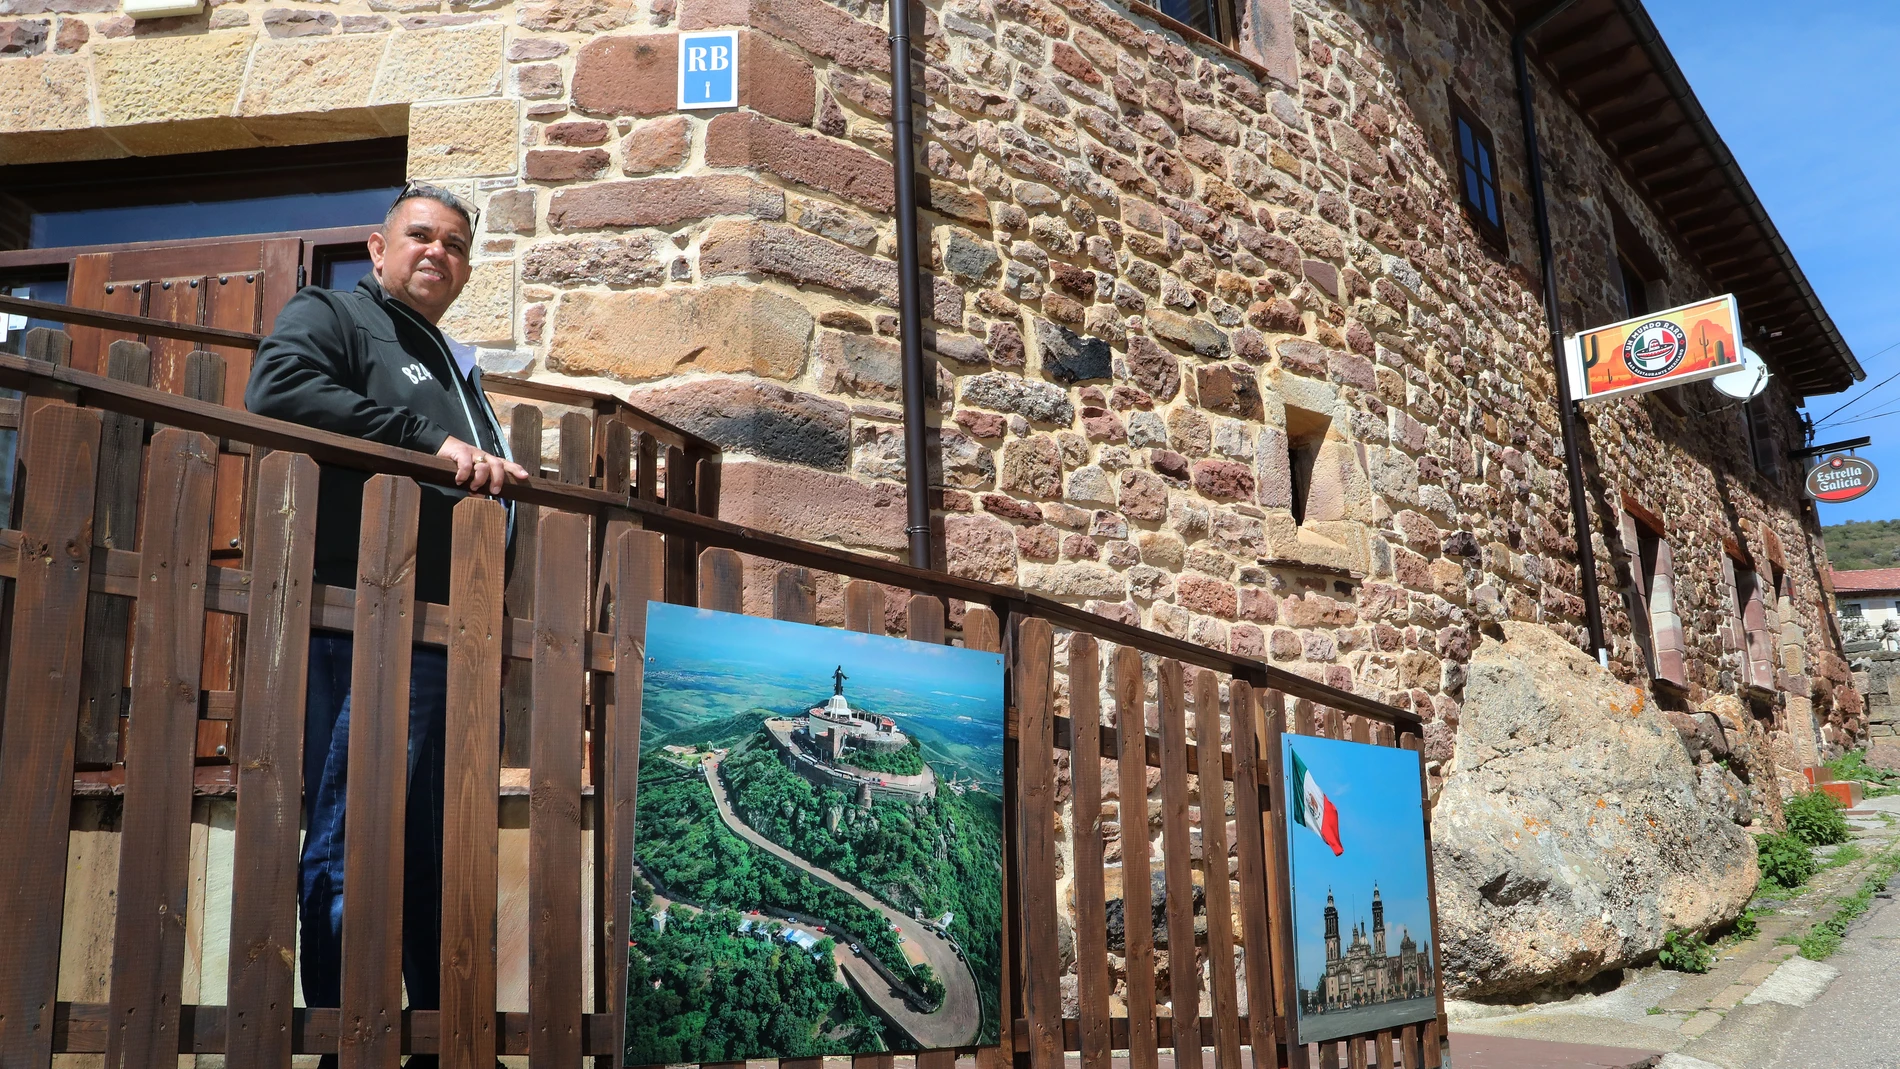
(818, 843)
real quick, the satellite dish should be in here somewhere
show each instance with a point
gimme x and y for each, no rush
(1746, 380)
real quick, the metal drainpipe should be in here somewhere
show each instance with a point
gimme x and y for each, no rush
(909, 293)
(1566, 407)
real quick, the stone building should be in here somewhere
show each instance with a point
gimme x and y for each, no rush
(1361, 972)
(1236, 315)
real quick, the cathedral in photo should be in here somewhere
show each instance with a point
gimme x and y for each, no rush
(1363, 973)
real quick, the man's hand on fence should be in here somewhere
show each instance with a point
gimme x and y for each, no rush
(483, 473)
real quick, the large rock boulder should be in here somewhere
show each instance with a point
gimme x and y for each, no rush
(1570, 835)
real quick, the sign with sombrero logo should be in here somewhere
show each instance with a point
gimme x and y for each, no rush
(1669, 348)
(1840, 479)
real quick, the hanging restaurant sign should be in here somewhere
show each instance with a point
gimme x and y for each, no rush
(1669, 348)
(1839, 479)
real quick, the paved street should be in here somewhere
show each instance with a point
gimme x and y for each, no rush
(1855, 1023)
(955, 1022)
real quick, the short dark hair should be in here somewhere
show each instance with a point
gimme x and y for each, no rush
(413, 190)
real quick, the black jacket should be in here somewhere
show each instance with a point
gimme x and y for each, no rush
(364, 364)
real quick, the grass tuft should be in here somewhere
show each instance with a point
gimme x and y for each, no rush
(1825, 938)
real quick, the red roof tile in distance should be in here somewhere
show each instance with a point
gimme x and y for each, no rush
(1866, 580)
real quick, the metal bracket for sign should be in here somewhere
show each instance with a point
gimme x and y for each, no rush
(1847, 446)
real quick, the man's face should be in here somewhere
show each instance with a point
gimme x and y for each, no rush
(421, 256)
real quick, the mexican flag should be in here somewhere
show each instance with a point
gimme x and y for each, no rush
(1312, 808)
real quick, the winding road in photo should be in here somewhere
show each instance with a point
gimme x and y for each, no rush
(955, 1022)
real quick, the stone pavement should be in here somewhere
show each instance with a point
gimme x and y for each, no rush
(1739, 1014)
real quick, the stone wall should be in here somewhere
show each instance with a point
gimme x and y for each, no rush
(1171, 286)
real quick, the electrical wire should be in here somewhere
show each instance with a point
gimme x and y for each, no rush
(1863, 419)
(1863, 395)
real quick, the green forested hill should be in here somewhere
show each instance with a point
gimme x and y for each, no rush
(1864, 544)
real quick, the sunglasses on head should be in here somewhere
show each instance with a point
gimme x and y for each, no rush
(413, 189)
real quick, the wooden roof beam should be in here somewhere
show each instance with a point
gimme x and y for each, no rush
(1551, 45)
(1609, 57)
(1649, 142)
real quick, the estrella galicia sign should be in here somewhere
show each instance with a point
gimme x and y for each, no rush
(709, 70)
(1838, 479)
(1655, 348)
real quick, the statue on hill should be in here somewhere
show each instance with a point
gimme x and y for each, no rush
(837, 680)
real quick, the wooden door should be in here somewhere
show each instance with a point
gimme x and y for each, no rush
(236, 285)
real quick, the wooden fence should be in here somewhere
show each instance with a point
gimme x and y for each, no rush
(1219, 717)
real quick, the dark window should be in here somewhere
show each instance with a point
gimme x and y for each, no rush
(1477, 171)
(1851, 610)
(1760, 430)
(1215, 18)
(1635, 289)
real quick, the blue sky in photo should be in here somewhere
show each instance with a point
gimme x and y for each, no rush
(679, 634)
(1807, 97)
(1382, 827)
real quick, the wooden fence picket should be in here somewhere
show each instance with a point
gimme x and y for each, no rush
(114, 526)
(1131, 719)
(1220, 907)
(369, 1031)
(148, 941)
(270, 763)
(471, 777)
(554, 822)
(1177, 868)
(1091, 918)
(1243, 713)
(1036, 841)
(44, 654)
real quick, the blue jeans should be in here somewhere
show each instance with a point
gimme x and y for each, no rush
(326, 780)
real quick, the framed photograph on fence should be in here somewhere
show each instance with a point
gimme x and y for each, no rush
(818, 843)
(1362, 916)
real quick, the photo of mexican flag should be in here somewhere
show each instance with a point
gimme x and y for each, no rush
(1312, 808)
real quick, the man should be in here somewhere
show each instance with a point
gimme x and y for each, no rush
(371, 363)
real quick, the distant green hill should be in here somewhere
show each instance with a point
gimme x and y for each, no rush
(1863, 544)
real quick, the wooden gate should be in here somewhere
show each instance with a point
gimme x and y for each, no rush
(1082, 691)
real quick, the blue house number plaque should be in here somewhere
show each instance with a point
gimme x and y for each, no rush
(709, 70)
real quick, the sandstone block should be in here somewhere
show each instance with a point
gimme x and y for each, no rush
(653, 334)
(1573, 838)
(485, 312)
(775, 82)
(1079, 580)
(442, 64)
(656, 145)
(857, 363)
(1033, 467)
(627, 261)
(1198, 335)
(802, 502)
(1223, 479)
(1153, 368)
(813, 25)
(577, 16)
(969, 258)
(462, 139)
(759, 418)
(311, 76)
(538, 81)
(663, 202)
(635, 75)
(164, 79)
(510, 211)
(1143, 495)
(44, 93)
(741, 139)
(980, 547)
(565, 165)
(578, 134)
(71, 35)
(294, 22)
(1206, 595)
(747, 247)
(1229, 388)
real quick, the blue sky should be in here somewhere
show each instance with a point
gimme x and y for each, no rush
(1381, 825)
(678, 634)
(1807, 96)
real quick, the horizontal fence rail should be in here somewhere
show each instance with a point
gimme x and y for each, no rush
(546, 661)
